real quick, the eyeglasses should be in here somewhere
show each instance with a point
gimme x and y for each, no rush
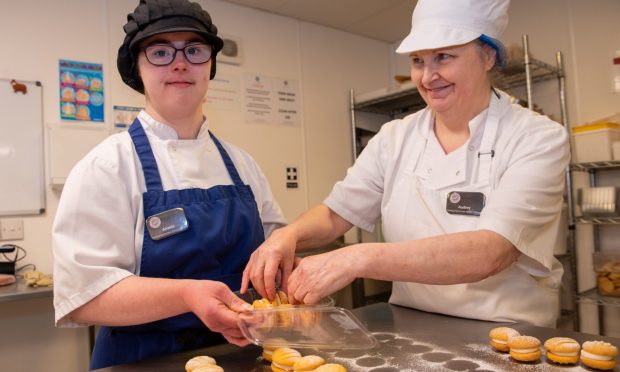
(164, 54)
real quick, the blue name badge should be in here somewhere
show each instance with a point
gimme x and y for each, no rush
(167, 223)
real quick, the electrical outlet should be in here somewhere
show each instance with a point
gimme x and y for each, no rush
(11, 229)
(291, 178)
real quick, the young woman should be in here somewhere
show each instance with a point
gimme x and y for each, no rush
(155, 225)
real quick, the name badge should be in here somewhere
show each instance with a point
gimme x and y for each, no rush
(467, 203)
(167, 223)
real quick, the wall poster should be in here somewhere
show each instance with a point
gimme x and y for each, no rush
(81, 91)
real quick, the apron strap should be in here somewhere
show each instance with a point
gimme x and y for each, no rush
(145, 154)
(487, 144)
(230, 166)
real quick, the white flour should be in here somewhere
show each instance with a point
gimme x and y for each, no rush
(399, 353)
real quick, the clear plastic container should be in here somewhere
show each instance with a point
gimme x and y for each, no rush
(252, 295)
(607, 266)
(306, 326)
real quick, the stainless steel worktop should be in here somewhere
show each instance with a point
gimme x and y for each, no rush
(20, 291)
(410, 340)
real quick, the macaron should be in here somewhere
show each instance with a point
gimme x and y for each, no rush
(499, 337)
(524, 348)
(599, 354)
(562, 350)
(269, 347)
(199, 361)
(331, 367)
(308, 363)
(263, 303)
(283, 359)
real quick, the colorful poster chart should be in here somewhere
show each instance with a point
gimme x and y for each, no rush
(287, 102)
(124, 116)
(81, 91)
(258, 98)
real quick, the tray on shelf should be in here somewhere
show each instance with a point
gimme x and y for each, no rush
(592, 296)
(596, 165)
(598, 220)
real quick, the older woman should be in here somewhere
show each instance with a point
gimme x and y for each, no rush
(469, 189)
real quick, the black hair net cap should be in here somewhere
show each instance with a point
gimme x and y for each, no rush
(153, 17)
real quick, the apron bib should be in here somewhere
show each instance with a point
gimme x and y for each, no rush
(224, 229)
(423, 214)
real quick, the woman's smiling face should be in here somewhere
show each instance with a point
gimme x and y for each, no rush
(451, 79)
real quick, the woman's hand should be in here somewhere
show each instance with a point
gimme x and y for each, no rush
(316, 277)
(217, 307)
(277, 253)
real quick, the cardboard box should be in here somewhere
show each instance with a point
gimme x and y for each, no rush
(593, 142)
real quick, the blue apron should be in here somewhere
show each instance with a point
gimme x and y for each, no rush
(224, 229)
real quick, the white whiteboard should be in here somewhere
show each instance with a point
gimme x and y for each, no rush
(22, 171)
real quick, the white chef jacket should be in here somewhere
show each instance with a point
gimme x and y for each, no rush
(404, 176)
(99, 224)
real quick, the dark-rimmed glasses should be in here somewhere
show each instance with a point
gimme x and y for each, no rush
(164, 54)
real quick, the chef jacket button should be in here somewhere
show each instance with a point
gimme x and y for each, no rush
(458, 172)
(429, 170)
(471, 148)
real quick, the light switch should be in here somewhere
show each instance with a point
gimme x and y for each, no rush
(11, 229)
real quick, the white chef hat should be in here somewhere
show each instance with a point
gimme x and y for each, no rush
(442, 23)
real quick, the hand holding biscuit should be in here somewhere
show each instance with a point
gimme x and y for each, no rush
(276, 254)
(320, 275)
(217, 307)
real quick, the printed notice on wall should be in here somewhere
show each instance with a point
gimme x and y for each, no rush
(81, 91)
(124, 117)
(287, 102)
(271, 100)
(258, 99)
(223, 93)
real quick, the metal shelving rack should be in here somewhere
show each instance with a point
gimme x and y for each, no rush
(516, 74)
(591, 296)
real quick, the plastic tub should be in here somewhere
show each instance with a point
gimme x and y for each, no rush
(593, 142)
(306, 326)
(607, 266)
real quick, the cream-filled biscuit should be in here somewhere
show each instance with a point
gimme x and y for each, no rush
(283, 359)
(499, 337)
(562, 350)
(199, 361)
(524, 348)
(599, 354)
(308, 363)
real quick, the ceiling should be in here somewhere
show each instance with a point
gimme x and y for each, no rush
(385, 20)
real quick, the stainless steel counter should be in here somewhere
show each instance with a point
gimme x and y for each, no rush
(20, 291)
(410, 340)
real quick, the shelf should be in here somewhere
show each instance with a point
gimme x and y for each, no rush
(598, 220)
(409, 99)
(615, 164)
(396, 102)
(593, 297)
(513, 75)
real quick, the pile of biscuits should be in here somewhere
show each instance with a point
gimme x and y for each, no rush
(561, 350)
(609, 279)
(202, 363)
(286, 359)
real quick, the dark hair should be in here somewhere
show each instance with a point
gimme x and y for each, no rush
(153, 17)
